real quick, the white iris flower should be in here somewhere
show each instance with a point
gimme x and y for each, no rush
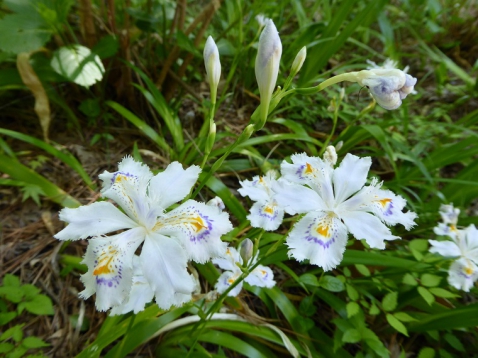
(191, 231)
(336, 202)
(265, 213)
(261, 276)
(449, 215)
(463, 246)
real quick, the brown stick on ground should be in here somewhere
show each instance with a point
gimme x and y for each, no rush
(87, 24)
(173, 55)
(171, 87)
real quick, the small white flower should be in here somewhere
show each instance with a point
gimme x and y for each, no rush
(267, 64)
(191, 231)
(462, 274)
(336, 202)
(261, 276)
(265, 213)
(213, 66)
(449, 215)
(464, 244)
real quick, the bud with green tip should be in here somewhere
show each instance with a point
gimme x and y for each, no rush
(267, 66)
(298, 61)
(246, 250)
(213, 66)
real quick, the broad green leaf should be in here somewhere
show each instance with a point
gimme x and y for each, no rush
(12, 293)
(40, 305)
(389, 302)
(419, 245)
(430, 280)
(6, 347)
(441, 292)
(454, 342)
(426, 352)
(6, 317)
(309, 279)
(409, 279)
(23, 33)
(331, 283)
(395, 323)
(363, 269)
(34, 342)
(374, 310)
(351, 336)
(11, 280)
(427, 296)
(352, 292)
(14, 332)
(404, 317)
(352, 309)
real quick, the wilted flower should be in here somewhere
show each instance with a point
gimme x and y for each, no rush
(387, 84)
(191, 231)
(265, 213)
(267, 64)
(261, 276)
(213, 66)
(336, 202)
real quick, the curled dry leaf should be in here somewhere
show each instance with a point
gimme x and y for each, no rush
(31, 80)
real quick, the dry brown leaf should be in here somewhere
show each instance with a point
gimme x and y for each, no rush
(31, 80)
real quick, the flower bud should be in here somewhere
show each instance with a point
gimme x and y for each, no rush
(246, 250)
(387, 86)
(298, 61)
(267, 65)
(216, 202)
(330, 155)
(213, 66)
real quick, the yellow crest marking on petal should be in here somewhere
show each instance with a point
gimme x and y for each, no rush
(263, 272)
(384, 202)
(198, 223)
(269, 210)
(308, 168)
(453, 227)
(103, 266)
(323, 230)
(261, 180)
(468, 270)
(230, 281)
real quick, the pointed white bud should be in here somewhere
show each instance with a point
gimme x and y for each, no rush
(267, 65)
(298, 61)
(213, 66)
(246, 250)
